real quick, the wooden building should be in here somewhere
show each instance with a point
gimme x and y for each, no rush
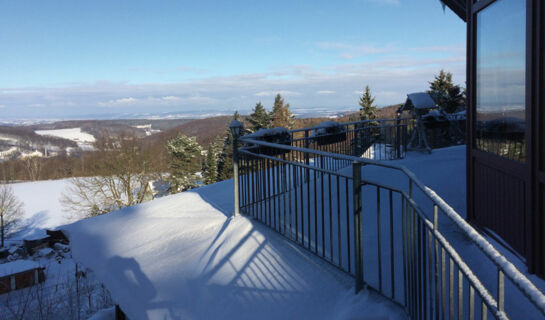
(505, 123)
(20, 274)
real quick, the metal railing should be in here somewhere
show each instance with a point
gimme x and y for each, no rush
(381, 139)
(375, 232)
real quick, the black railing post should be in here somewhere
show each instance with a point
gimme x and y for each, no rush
(358, 250)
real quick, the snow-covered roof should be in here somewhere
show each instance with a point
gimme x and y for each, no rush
(17, 266)
(419, 100)
(183, 256)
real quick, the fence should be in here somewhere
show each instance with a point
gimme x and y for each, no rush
(384, 139)
(375, 232)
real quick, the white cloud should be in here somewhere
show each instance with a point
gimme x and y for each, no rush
(274, 93)
(333, 86)
(349, 51)
(118, 102)
(170, 98)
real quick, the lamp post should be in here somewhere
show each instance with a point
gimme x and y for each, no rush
(236, 129)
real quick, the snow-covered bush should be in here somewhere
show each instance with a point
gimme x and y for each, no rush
(277, 135)
(328, 132)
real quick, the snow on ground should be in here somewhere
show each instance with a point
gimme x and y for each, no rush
(56, 297)
(83, 139)
(184, 256)
(42, 207)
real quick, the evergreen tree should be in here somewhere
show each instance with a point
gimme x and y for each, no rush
(447, 95)
(225, 160)
(185, 161)
(281, 115)
(259, 118)
(211, 164)
(367, 109)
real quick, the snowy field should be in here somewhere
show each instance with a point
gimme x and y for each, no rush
(42, 208)
(184, 256)
(83, 139)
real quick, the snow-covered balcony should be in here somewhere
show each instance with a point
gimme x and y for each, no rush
(293, 251)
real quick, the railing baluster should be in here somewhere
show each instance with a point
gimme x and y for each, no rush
(392, 259)
(358, 252)
(379, 247)
(294, 169)
(330, 218)
(339, 247)
(443, 284)
(423, 269)
(451, 288)
(284, 191)
(471, 303)
(430, 269)
(302, 207)
(323, 213)
(309, 237)
(348, 257)
(404, 245)
(460, 295)
(501, 291)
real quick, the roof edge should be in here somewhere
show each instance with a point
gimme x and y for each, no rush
(457, 6)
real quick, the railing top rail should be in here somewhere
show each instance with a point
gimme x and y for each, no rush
(297, 164)
(527, 287)
(350, 123)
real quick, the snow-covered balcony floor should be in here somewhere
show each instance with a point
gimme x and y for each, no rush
(183, 257)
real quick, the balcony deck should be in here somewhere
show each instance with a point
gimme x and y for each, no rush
(184, 256)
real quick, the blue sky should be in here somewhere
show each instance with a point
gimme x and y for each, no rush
(66, 59)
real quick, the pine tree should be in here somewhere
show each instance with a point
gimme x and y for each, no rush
(367, 110)
(211, 165)
(281, 115)
(445, 94)
(259, 118)
(225, 160)
(185, 161)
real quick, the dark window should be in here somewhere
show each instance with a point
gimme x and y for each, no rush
(500, 79)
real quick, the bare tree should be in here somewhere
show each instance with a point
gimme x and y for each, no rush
(33, 166)
(11, 211)
(123, 180)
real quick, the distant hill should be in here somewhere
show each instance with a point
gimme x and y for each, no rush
(204, 129)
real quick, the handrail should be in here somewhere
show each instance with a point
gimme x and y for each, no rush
(528, 288)
(350, 123)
